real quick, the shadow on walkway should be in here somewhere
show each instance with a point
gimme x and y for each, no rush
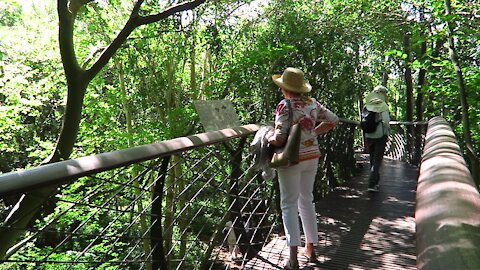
(360, 229)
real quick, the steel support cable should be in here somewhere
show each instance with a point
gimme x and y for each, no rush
(117, 237)
(73, 262)
(178, 217)
(136, 218)
(102, 235)
(70, 262)
(191, 220)
(103, 207)
(149, 230)
(107, 227)
(145, 208)
(194, 196)
(196, 162)
(245, 172)
(248, 183)
(170, 226)
(110, 208)
(196, 179)
(38, 231)
(169, 169)
(191, 246)
(143, 174)
(235, 184)
(256, 228)
(20, 244)
(243, 208)
(250, 199)
(192, 199)
(209, 243)
(264, 214)
(138, 240)
(196, 214)
(268, 235)
(221, 224)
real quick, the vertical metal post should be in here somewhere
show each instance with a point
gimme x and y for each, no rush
(156, 232)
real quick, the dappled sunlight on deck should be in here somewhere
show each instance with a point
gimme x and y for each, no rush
(360, 230)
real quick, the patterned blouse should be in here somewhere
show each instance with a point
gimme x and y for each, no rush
(308, 112)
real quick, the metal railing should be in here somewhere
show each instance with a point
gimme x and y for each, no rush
(165, 205)
(406, 141)
(447, 211)
(162, 205)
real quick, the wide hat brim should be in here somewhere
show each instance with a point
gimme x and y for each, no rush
(380, 107)
(375, 102)
(304, 87)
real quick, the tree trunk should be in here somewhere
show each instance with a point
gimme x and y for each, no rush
(171, 179)
(385, 73)
(419, 108)
(78, 80)
(128, 119)
(409, 94)
(169, 212)
(436, 48)
(184, 220)
(156, 233)
(205, 74)
(360, 92)
(462, 92)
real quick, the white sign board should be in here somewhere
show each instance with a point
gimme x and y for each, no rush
(216, 114)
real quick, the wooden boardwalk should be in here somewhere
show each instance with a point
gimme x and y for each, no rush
(358, 229)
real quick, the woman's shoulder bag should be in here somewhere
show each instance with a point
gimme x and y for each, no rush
(287, 155)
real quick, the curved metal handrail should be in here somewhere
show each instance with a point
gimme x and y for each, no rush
(69, 169)
(447, 213)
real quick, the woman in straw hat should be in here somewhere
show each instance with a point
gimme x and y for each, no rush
(296, 182)
(376, 101)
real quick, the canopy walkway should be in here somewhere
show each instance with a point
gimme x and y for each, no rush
(166, 206)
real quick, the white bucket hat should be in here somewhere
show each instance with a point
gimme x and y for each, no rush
(292, 80)
(380, 89)
(375, 102)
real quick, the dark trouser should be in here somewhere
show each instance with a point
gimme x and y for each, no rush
(376, 148)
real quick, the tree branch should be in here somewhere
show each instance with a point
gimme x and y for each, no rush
(170, 11)
(75, 5)
(66, 21)
(133, 22)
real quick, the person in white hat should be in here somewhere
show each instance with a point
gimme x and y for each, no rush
(376, 101)
(297, 181)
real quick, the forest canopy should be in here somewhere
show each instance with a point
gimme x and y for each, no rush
(83, 77)
(227, 50)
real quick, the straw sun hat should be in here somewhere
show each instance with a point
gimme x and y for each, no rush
(292, 80)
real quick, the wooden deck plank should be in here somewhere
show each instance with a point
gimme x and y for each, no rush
(358, 229)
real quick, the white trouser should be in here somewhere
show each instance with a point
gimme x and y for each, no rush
(296, 196)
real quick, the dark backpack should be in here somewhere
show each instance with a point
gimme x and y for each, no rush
(368, 123)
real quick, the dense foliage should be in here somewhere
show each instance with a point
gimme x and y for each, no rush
(228, 50)
(345, 48)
